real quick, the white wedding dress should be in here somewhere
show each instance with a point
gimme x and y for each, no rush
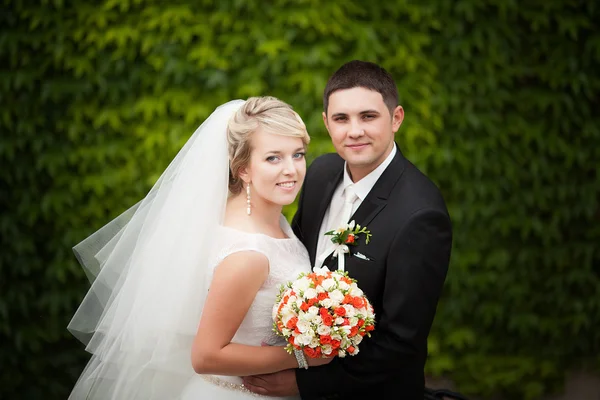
(287, 258)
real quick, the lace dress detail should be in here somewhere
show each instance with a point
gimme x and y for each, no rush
(287, 258)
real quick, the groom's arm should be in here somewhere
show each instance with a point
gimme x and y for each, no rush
(416, 269)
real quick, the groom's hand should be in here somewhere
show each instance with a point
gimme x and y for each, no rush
(282, 383)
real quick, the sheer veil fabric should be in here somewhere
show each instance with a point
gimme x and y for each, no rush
(148, 269)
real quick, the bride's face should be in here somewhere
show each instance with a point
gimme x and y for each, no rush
(276, 169)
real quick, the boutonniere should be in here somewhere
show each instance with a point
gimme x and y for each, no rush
(345, 236)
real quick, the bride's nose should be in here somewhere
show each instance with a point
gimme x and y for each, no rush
(289, 168)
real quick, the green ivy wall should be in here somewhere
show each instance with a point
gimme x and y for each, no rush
(501, 104)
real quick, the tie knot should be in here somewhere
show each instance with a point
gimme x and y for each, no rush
(349, 194)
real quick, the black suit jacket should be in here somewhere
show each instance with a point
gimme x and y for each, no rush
(409, 254)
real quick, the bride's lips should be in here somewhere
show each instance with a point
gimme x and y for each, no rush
(287, 185)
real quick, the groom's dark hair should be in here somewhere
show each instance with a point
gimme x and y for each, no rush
(364, 74)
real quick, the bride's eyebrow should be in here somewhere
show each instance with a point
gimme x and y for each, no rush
(279, 152)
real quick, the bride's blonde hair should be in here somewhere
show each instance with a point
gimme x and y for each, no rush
(267, 112)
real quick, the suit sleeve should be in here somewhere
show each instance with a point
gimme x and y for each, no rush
(416, 267)
(296, 221)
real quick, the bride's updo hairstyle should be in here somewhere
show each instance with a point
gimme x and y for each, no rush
(270, 114)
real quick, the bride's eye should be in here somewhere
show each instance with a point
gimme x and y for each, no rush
(272, 158)
(299, 155)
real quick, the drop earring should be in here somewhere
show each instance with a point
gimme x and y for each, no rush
(248, 209)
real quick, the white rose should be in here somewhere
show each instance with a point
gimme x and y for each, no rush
(355, 352)
(320, 289)
(341, 353)
(303, 339)
(355, 290)
(314, 343)
(326, 349)
(286, 332)
(292, 299)
(318, 321)
(349, 310)
(310, 293)
(339, 320)
(313, 310)
(337, 296)
(303, 326)
(336, 336)
(353, 321)
(323, 330)
(357, 339)
(304, 316)
(327, 303)
(343, 285)
(301, 284)
(321, 271)
(299, 302)
(346, 329)
(328, 284)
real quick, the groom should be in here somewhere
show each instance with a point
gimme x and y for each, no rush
(401, 270)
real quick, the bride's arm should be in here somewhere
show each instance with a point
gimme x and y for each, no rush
(233, 289)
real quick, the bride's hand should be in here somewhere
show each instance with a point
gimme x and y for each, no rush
(316, 362)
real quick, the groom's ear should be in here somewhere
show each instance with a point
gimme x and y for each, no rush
(325, 120)
(397, 118)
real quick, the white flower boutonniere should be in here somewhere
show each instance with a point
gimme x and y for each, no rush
(345, 236)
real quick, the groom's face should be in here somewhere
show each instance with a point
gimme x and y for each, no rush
(361, 128)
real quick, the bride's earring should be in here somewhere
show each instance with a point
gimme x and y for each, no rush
(248, 209)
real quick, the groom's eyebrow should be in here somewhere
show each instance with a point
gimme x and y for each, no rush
(369, 112)
(341, 114)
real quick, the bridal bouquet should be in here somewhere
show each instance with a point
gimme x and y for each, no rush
(323, 313)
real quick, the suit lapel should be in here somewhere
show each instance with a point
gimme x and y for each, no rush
(375, 201)
(377, 198)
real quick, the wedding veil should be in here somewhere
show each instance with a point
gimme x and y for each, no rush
(148, 269)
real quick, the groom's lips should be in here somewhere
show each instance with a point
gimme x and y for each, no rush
(357, 146)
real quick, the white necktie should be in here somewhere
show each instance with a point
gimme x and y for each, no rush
(350, 198)
(340, 219)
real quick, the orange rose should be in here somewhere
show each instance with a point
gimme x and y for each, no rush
(361, 322)
(325, 339)
(311, 302)
(353, 331)
(322, 296)
(348, 299)
(292, 323)
(350, 239)
(327, 319)
(304, 307)
(358, 302)
(369, 328)
(335, 344)
(341, 311)
(351, 349)
(309, 351)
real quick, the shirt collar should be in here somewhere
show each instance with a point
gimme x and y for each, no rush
(364, 186)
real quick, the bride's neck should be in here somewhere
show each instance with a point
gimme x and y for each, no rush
(264, 216)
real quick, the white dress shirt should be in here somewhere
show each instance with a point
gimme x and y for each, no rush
(362, 189)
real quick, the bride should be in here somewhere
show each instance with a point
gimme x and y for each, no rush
(184, 282)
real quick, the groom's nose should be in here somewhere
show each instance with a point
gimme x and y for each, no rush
(356, 130)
